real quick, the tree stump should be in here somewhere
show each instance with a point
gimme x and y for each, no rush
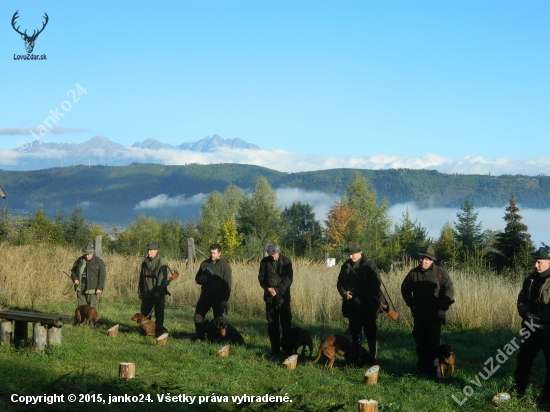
(368, 405)
(5, 332)
(371, 375)
(501, 397)
(161, 340)
(291, 361)
(39, 337)
(20, 333)
(54, 335)
(113, 331)
(224, 351)
(126, 370)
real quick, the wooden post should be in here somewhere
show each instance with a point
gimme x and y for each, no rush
(191, 250)
(39, 337)
(126, 370)
(54, 335)
(371, 375)
(161, 340)
(113, 331)
(368, 405)
(20, 333)
(98, 246)
(501, 397)
(5, 332)
(290, 362)
(224, 351)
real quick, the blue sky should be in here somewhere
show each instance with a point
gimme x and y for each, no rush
(452, 79)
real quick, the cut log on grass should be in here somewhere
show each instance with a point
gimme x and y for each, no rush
(371, 375)
(501, 398)
(113, 331)
(224, 351)
(291, 361)
(39, 337)
(55, 335)
(368, 405)
(161, 340)
(5, 332)
(126, 370)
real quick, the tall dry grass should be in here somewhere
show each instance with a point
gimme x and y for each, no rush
(34, 274)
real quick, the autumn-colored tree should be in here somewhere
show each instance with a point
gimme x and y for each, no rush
(339, 226)
(230, 238)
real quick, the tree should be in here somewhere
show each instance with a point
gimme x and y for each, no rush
(447, 248)
(76, 230)
(514, 245)
(468, 231)
(338, 226)
(43, 230)
(301, 231)
(408, 237)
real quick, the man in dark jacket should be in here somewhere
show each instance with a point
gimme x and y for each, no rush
(275, 278)
(88, 275)
(214, 276)
(359, 284)
(153, 278)
(428, 291)
(534, 308)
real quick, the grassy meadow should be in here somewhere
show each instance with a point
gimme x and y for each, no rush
(482, 321)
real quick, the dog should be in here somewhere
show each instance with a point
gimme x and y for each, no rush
(220, 331)
(86, 312)
(446, 357)
(354, 353)
(147, 326)
(301, 338)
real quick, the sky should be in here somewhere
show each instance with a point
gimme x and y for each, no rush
(373, 84)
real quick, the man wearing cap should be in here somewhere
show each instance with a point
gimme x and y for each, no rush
(534, 308)
(88, 275)
(428, 291)
(359, 285)
(214, 276)
(153, 278)
(275, 278)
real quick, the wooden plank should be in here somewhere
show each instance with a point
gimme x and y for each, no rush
(44, 318)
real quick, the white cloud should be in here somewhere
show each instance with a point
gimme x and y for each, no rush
(163, 200)
(321, 202)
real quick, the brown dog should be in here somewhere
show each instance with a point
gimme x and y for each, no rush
(148, 326)
(301, 338)
(446, 360)
(354, 353)
(86, 312)
(220, 331)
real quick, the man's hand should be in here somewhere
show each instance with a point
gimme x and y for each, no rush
(348, 295)
(76, 282)
(272, 291)
(441, 314)
(98, 291)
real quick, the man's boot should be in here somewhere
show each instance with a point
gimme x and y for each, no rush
(373, 347)
(201, 330)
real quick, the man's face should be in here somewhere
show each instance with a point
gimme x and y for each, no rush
(275, 256)
(152, 253)
(89, 256)
(355, 257)
(215, 254)
(425, 262)
(541, 265)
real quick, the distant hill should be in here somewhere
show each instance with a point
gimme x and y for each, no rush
(110, 194)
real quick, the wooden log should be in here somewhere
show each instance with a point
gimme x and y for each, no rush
(20, 333)
(501, 397)
(291, 361)
(224, 351)
(54, 335)
(39, 337)
(113, 331)
(5, 332)
(368, 405)
(161, 340)
(371, 375)
(126, 370)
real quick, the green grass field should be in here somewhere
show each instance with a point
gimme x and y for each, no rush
(87, 363)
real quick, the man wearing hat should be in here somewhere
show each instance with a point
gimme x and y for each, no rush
(153, 278)
(275, 278)
(428, 291)
(214, 276)
(534, 308)
(359, 285)
(88, 275)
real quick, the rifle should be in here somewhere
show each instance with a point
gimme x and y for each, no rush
(174, 276)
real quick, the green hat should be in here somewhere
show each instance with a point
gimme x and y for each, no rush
(542, 253)
(89, 248)
(353, 247)
(428, 252)
(152, 246)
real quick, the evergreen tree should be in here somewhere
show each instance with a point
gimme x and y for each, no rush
(76, 230)
(468, 231)
(301, 231)
(447, 248)
(408, 237)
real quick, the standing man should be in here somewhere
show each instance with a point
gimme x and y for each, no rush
(359, 284)
(534, 307)
(275, 278)
(88, 275)
(214, 276)
(153, 278)
(428, 291)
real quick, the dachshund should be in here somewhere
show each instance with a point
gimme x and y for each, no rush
(148, 326)
(86, 312)
(354, 353)
(301, 338)
(446, 360)
(220, 331)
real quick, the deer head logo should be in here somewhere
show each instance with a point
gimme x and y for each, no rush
(29, 40)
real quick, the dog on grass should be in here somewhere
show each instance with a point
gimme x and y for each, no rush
(446, 357)
(86, 312)
(220, 331)
(301, 338)
(147, 326)
(354, 353)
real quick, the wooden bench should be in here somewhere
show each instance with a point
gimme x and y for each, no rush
(41, 334)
